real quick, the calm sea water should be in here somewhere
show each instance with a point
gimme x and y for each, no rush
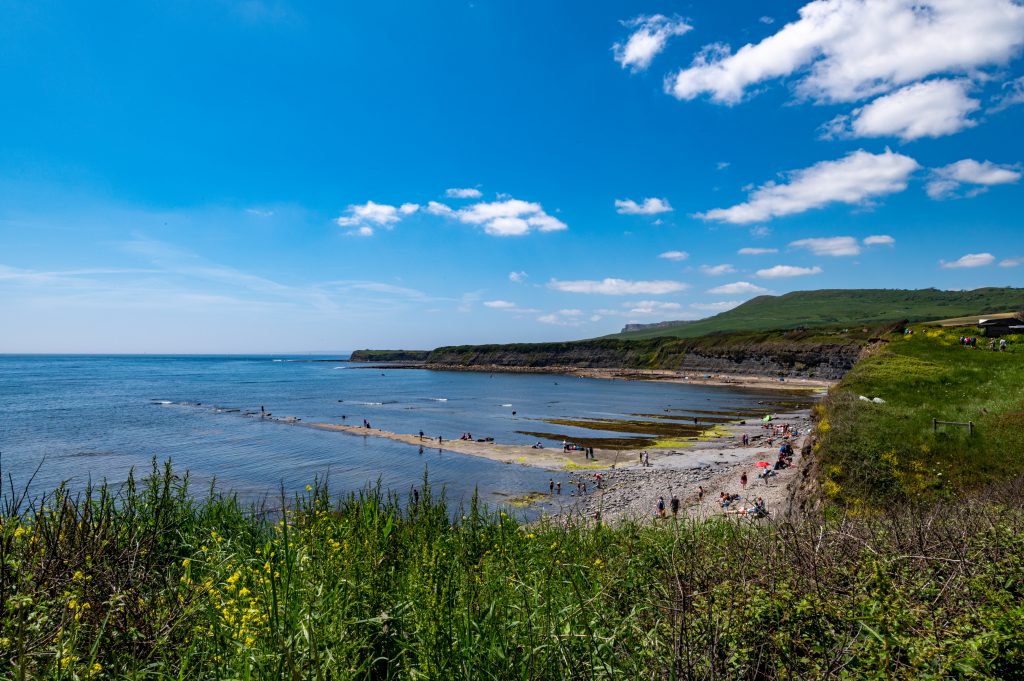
(96, 417)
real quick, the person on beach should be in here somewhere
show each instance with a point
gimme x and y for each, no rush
(743, 480)
(551, 486)
(675, 505)
(421, 434)
(661, 507)
(700, 493)
(558, 487)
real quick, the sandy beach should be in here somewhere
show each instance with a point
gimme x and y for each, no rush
(631, 490)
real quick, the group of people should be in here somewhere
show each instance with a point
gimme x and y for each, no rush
(588, 452)
(466, 436)
(673, 503)
(730, 505)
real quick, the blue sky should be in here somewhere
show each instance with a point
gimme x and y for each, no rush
(264, 176)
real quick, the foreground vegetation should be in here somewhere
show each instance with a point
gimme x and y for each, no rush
(887, 453)
(150, 582)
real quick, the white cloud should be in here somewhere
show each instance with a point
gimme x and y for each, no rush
(1011, 262)
(760, 232)
(507, 217)
(846, 50)
(930, 109)
(649, 206)
(517, 277)
(674, 255)
(722, 165)
(716, 270)
(380, 214)
(560, 320)
(572, 312)
(467, 193)
(879, 240)
(435, 208)
(716, 307)
(508, 306)
(618, 287)
(647, 41)
(780, 271)
(757, 251)
(853, 179)
(651, 307)
(969, 260)
(946, 181)
(767, 20)
(834, 246)
(739, 288)
(360, 231)
(259, 212)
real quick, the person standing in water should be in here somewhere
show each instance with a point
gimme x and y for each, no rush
(743, 480)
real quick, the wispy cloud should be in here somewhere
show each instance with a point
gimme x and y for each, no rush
(783, 271)
(717, 270)
(649, 206)
(649, 37)
(833, 246)
(947, 181)
(738, 288)
(618, 287)
(968, 261)
(757, 251)
(674, 255)
(517, 277)
(465, 193)
(853, 179)
(879, 240)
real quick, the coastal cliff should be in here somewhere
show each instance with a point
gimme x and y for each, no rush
(389, 355)
(794, 353)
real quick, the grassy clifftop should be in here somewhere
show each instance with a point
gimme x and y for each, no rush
(880, 453)
(841, 307)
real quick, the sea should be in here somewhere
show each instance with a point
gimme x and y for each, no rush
(81, 419)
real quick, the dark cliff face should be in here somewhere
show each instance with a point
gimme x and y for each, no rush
(747, 355)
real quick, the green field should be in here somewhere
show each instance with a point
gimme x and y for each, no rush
(842, 307)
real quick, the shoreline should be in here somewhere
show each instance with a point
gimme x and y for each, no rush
(694, 377)
(631, 492)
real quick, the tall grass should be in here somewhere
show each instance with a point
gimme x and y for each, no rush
(147, 581)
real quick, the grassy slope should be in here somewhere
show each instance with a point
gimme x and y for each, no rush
(879, 452)
(841, 307)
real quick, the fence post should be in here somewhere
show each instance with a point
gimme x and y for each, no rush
(935, 426)
(970, 428)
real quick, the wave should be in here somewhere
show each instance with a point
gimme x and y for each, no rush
(506, 405)
(438, 399)
(161, 402)
(277, 360)
(341, 367)
(372, 404)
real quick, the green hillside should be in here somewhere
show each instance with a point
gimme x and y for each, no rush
(832, 307)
